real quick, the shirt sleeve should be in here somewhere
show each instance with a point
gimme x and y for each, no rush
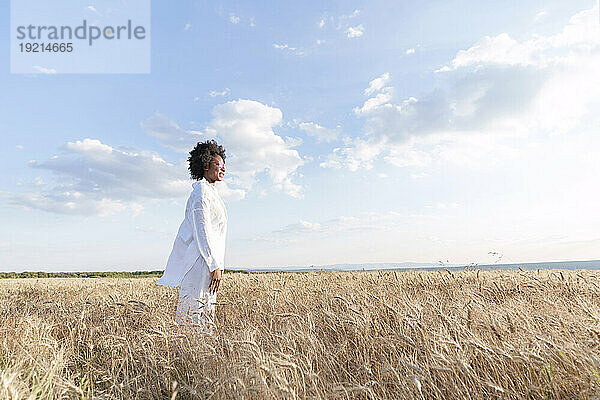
(203, 230)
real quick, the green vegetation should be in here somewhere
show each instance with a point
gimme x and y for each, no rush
(105, 274)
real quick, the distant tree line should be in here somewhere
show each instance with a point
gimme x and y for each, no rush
(106, 274)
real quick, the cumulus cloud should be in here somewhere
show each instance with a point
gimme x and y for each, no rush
(287, 48)
(283, 46)
(44, 70)
(321, 133)
(246, 128)
(355, 31)
(171, 135)
(580, 36)
(214, 93)
(375, 103)
(357, 154)
(229, 193)
(97, 179)
(406, 155)
(378, 83)
(490, 93)
(344, 23)
(234, 19)
(554, 78)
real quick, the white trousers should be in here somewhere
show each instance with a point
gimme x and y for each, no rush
(196, 306)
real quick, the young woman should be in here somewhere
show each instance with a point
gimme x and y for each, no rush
(197, 259)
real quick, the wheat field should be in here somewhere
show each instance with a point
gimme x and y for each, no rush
(322, 335)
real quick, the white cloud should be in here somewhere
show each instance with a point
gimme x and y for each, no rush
(229, 193)
(410, 51)
(94, 10)
(500, 49)
(378, 83)
(502, 89)
(300, 227)
(539, 15)
(44, 70)
(171, 135)
(246, 128)
(343, 23)
(187, 26)
(406, 155)
(580, 36)
(362, 222)
(348, 226)
(97, 179)
(19, 147)
(293, 141)
(375, 103)
(358, 154)
(283, 46)
(286, 47)
(344, 19)
(565, 67)
(70, 203)
(321, 133)
(356, 31)
(214, 93)
(234, 19)
(322, 23)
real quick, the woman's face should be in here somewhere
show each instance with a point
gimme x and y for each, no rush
(215, 170)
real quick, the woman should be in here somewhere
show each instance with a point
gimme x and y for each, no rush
(197, 259)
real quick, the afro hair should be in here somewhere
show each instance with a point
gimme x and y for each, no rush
(202, 155)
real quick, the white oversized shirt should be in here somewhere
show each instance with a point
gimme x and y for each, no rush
(201, 234)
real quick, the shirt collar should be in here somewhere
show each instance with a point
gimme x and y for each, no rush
(202, 181)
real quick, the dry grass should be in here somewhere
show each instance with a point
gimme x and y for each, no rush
(385, 335)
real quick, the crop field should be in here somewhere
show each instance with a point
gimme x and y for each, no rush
(319, 335)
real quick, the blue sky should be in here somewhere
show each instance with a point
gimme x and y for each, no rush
(356, 132)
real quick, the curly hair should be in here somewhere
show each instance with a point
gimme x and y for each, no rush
(202, 155)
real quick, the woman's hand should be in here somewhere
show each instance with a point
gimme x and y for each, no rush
(215, 280)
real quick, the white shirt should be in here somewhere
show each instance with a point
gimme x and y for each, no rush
(201, 234)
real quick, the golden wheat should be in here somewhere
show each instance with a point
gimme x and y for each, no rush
(369, 335)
